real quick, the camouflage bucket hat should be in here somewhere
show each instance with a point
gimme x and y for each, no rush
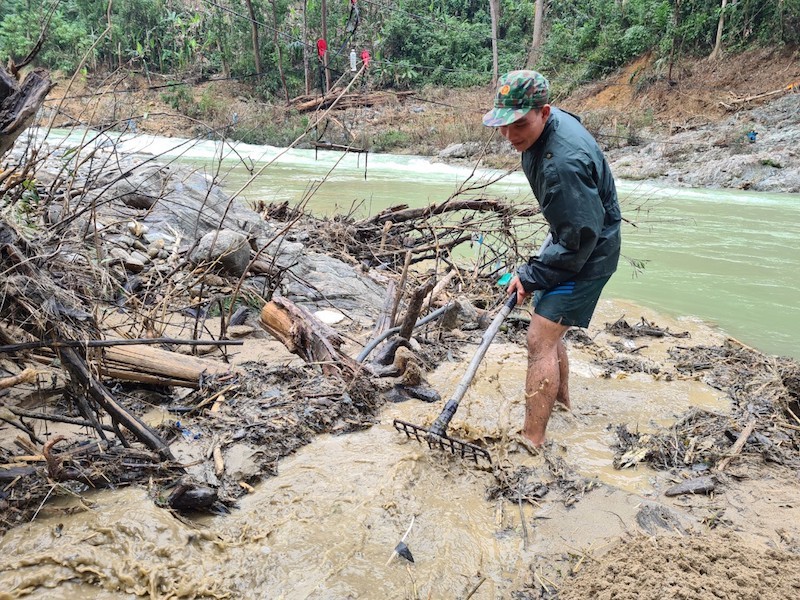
(517, 93)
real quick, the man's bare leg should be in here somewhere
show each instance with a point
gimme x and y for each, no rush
(543, 379)
(562, 396)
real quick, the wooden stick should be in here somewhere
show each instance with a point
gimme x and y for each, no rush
(443, 283)
(109, 343)
(29, 414)
(27, 376)
(737, 446)
(80, 372)
(219, 463)
(475, 589)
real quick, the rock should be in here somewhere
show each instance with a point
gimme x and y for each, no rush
(134, 265)
(155, 248)
(237, 331)
(225, 248)
(464, 150)
(320, 281)
(191, 496)
(461, 313)
(329, 317)
(698, 485)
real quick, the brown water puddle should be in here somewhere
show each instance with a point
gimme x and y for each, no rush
(325, 527)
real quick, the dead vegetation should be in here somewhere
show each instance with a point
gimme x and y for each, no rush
(70, 301)
(763, 422)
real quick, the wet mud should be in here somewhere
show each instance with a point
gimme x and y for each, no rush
(323, 513)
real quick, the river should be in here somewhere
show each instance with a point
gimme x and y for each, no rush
(727, 257)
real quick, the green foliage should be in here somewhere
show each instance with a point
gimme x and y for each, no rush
(387, 140)
(180, 98)
(768, 162)
(413, 42)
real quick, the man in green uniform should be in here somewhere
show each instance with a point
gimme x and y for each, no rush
(575, 189)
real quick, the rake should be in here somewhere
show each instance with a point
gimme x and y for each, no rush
(435, 435)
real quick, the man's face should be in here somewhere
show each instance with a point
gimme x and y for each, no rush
(524, 132)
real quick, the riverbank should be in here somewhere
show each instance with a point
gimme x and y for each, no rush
(689, 131)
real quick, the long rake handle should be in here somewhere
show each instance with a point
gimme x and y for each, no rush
(443, 420)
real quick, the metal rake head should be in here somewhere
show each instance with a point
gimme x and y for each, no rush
(456, 447)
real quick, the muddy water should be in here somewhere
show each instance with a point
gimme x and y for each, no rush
(326, 526)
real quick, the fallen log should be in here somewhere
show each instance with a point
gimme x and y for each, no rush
(308, 103)
(307, 337)
(79, 372)
(146, 364)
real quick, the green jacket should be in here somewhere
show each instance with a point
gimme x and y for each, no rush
(573, 183)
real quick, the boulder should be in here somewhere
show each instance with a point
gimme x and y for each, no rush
(227, 249)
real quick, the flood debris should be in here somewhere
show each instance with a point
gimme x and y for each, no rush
(652, 517)
(763, 423)
(532, 483)
(401, 549)
(643, 328)
(698, 485)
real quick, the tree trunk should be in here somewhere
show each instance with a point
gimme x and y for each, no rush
(19, 103)
(717, 51)
(676, 22)
(306, 336)
(494, 9)
(306, 61)
(536, 44)
(280, 50)
(254, 31)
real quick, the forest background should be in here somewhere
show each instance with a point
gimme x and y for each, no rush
(269, 48)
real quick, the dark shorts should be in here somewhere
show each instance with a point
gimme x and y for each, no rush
(570, 303)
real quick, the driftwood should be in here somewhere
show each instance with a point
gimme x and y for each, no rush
(307, 103)
(306, 336)
(401, 213)
(107, 343)
(788, 88)
(737, 446)
(440, 287)
(156, 366)
(27, 376)
(38, 305)
(19, 103)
